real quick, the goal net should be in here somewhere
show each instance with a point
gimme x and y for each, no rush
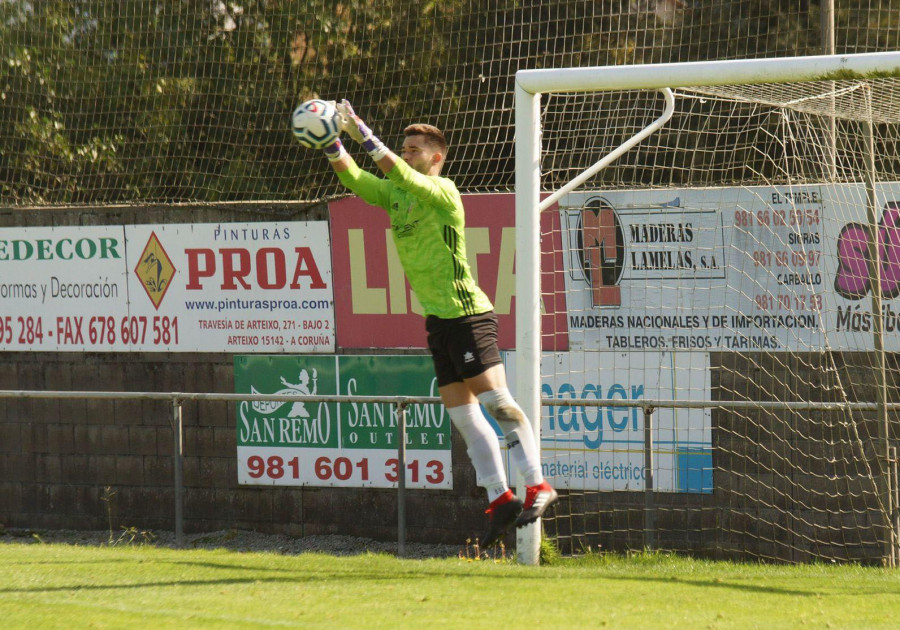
(739, 272)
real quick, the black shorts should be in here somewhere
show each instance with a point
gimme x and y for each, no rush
(463, 347)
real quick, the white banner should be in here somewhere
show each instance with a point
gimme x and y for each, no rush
(764, 268)
(57, 284)
(342, 468)
(602, 448)
(247, 287)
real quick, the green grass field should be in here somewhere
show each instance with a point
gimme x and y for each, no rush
(64, 586)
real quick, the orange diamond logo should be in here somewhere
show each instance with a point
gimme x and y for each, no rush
(155, 269)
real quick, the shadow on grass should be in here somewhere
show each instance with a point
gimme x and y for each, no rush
(360, 568)
(391, 574)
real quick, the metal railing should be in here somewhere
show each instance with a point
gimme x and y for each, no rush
(177, 424)
(648, 406)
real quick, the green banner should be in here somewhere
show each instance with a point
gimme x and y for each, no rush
(338, 425)
(374, 425)
(349, 444)
(295, 424)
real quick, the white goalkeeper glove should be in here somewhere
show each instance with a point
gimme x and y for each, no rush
(354, 126)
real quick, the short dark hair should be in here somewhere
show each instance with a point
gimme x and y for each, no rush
(433, 135)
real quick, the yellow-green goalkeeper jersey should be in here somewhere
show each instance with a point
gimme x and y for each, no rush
(428, 225)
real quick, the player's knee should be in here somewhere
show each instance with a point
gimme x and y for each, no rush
(503, 408)
(509, 415)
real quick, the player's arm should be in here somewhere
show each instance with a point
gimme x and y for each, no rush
(354, 126)
(429, 189)
(369, 188)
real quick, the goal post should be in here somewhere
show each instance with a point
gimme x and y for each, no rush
(778, 174)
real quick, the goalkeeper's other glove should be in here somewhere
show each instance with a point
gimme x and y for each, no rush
(335, 151)
(359, 131)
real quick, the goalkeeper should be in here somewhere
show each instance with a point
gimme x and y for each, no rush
(428, 225)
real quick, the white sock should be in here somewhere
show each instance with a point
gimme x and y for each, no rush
(482, 447)
(517, 430)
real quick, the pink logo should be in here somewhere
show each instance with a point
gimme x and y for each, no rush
(853, 280)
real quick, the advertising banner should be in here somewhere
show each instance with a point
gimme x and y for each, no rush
(61, 286)
(251, 287)
(339, 444)
(730, 269)
(374, 306)
(602, 448)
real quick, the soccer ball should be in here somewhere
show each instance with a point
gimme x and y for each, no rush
(315, 124)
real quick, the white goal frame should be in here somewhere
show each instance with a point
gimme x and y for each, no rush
(530, 85)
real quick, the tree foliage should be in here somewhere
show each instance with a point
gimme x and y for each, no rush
(183, 100)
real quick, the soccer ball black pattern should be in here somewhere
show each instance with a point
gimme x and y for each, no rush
(314, 124)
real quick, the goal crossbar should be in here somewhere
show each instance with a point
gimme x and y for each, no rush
(696, 73)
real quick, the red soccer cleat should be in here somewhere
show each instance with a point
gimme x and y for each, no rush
(537, 500)
(503, 512)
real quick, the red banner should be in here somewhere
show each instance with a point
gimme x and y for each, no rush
(374, 306)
